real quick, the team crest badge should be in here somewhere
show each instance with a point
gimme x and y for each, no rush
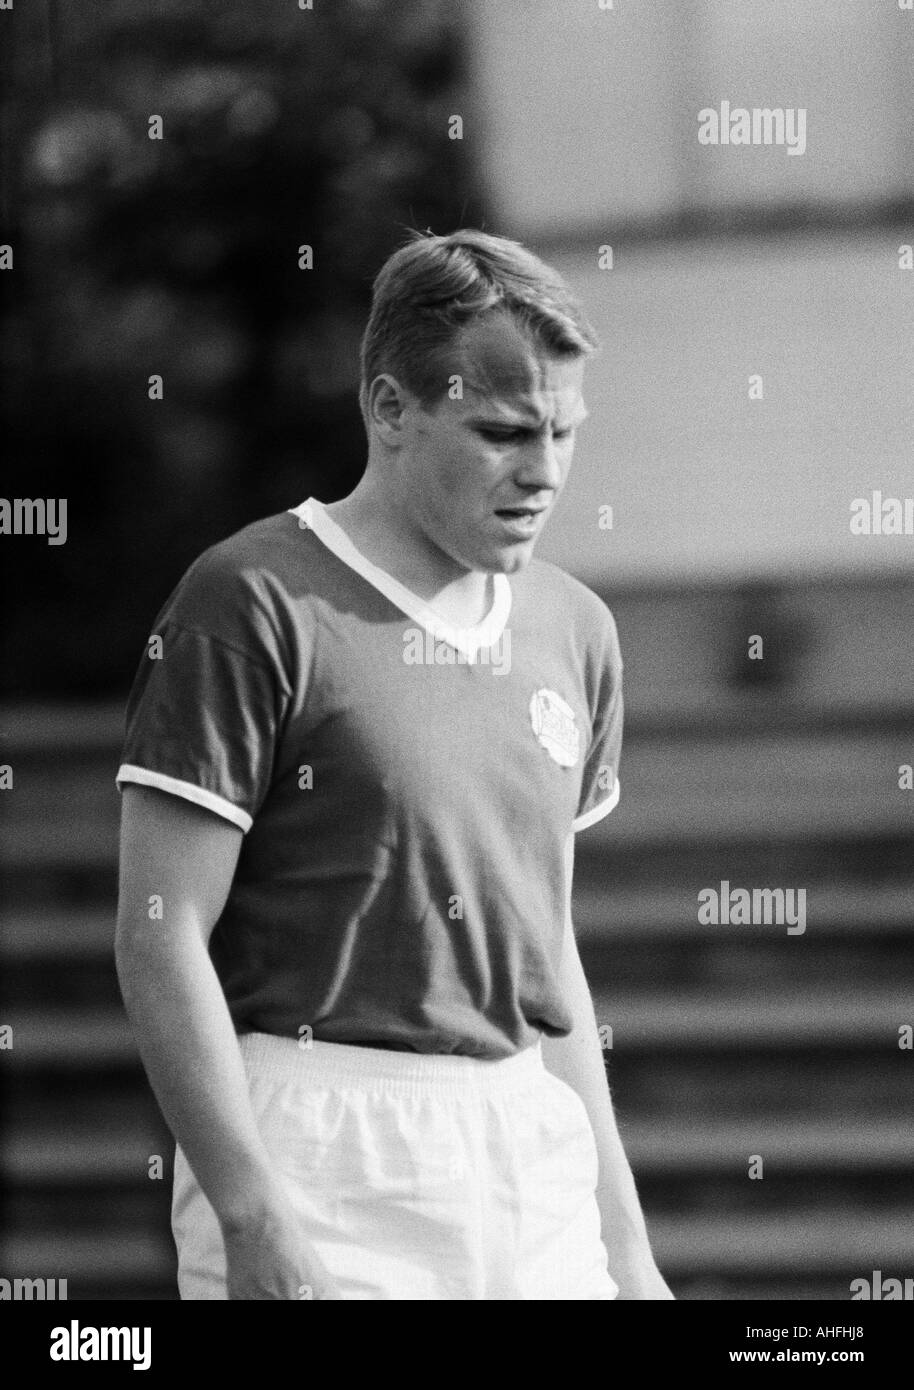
(553, 723)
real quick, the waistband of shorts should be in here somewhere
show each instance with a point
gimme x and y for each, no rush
(281, 1059)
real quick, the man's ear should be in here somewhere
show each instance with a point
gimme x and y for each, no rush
(385, 405)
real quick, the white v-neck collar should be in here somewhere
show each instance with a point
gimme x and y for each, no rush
(469, 641)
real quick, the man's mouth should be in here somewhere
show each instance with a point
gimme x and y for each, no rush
(521, 522)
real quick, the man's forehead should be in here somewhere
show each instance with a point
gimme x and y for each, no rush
(500, 364)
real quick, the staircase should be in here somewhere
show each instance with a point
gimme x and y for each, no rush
(730, 1043)
(81, 1128)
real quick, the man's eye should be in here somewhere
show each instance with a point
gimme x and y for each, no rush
(502, 436)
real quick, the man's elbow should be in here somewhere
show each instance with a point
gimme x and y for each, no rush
(144, 941)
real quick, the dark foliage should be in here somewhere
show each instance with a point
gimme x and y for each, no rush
(135, 256)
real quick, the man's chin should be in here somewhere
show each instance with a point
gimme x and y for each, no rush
(509, 559)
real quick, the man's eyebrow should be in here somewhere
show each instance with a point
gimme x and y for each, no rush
(513, 419)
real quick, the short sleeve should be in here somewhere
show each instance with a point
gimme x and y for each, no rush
(205, 713)
(600, 782)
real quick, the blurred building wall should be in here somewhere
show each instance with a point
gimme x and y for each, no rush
(588, 137)
(704, 481)
(590, 114)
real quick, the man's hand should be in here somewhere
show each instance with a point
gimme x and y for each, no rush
(268, 1257)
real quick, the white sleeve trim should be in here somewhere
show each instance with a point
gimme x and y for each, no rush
(128, 773)
(596, 813)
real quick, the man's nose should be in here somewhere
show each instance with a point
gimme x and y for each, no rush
(541, 465)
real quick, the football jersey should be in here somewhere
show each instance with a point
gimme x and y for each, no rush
(405, 788)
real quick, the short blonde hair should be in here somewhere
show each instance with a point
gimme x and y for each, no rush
(431, 287)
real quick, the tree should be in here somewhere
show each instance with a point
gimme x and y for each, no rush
(169, 164)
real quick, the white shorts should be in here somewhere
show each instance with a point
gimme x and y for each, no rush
(418, 1177)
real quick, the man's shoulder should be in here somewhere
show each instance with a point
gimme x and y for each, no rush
(262, 546)
(566, 598)
(274, 557)
(257, 579)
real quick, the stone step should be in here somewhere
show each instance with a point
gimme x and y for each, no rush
(769, 1086)
(855, 912)
(106, 1257)
(862, 1018)
(665, 1148)
(44, 1157)
(41, 729)
(683, 860)
(56, 934)
(69, 1039)
(798, 1244)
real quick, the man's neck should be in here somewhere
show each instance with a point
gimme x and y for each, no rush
(461, 597)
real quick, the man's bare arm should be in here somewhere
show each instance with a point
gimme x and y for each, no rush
(185, 856)
(578, 1060)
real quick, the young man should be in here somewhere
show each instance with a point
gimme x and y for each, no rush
(351, 783)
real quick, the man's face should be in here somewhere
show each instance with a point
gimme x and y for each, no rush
(479, 476)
